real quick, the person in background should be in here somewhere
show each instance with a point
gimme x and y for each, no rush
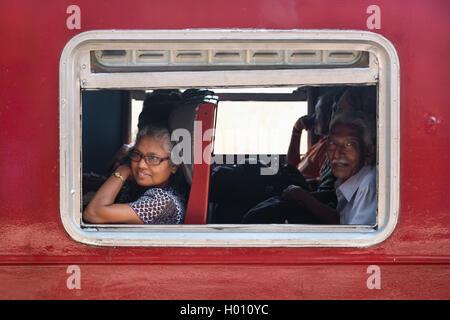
(363, 99)
(312, 163)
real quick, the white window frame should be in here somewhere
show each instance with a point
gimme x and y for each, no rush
(75, 75)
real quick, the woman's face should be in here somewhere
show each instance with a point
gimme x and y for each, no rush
(152, 175)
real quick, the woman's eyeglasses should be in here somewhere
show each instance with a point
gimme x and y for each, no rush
(149, 160)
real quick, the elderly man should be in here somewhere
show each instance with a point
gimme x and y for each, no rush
(350, 151)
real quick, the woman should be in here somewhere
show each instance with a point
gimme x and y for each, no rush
(150, 167)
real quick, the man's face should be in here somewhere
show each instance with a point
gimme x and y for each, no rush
(345, 151)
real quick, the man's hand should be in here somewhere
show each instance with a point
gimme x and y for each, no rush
(293, 192)
(325, 213)
(305, 122)
(299, 124)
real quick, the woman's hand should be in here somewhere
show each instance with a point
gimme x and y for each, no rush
(102, 208)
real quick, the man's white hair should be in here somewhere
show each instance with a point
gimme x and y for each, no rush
(359, 120)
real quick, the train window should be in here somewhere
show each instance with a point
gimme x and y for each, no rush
(259, 84)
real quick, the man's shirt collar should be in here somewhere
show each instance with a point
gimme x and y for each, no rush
(348, 187)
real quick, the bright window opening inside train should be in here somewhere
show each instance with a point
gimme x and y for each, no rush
(262, 165)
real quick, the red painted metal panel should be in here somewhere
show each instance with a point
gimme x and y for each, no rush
(262, 282)
(414, 259)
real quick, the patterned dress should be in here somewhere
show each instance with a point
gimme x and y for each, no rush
(159, 206)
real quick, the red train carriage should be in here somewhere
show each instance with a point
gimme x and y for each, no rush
(74, 75)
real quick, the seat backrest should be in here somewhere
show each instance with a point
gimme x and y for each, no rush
(184, 117)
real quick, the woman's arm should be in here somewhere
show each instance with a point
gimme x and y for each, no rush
(325, 213)
(102, 208)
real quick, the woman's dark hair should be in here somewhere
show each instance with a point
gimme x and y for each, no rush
(157, 107)
(178, 183)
